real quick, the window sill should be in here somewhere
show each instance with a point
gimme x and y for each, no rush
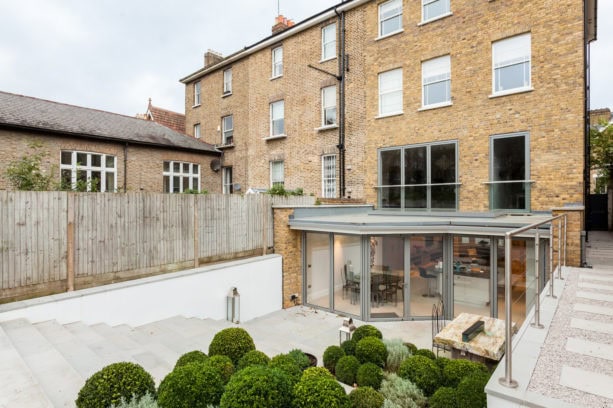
(436, 106)
(226, 94)
(511, 92)
(389, 115)
(327, 127)
(275, 137)
(225, 146)
(276, 77)
(196, 106)
(442, 16)
(382, 37)
(327, 59)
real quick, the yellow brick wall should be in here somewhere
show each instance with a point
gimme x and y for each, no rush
(574, 226)
(288, 243)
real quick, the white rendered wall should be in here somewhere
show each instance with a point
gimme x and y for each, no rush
(197, 292)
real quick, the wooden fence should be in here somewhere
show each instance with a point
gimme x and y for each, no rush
(50, 241)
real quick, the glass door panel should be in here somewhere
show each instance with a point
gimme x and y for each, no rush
(426, 276)
(471, 275)
(386, 277)
(318, 269)
(347, 273)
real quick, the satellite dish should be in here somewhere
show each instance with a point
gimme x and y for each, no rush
(215, 165)
(236, 187)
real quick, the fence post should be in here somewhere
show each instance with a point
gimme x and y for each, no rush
(508, 380)
(537, 306)
(196, 232)
(70, 241)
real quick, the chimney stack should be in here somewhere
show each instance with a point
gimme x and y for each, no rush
(211, 58)
(281, 24)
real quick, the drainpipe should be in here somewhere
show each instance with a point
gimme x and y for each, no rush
(342, 65)
(125, 168)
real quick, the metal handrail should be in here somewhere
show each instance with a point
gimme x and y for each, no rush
(508, 380)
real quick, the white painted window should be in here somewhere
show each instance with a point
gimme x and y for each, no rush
(436, 81)
(277, 118)
(197, 94)
(432, 9)
(82, 171)
(511, 60)
(390, 92)
(328, 106)
(390, 17)
(227, 125)
(277, 62)
(227, 81)
(181, 176)
(277, 173)
(328, 176)
(328, 42)
(197, 130)
(226, 179)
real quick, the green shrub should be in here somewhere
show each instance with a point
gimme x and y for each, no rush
(331, 356)
(195, 356)
(366, 330)
(365, 397)
(346, 369)
(444, 397)
(315, 390)
(233, 342)
(146, 401)
(251, 358)
(193, 385)
(423, 372)
(315, 372)
(288, 365)
(425, 353)
(412, 347)
(348, 347)
(397, 352)
(223, 365)
(371, 350)
(369, 375)
(471, 391)
(456, 370)
(113, 382)
(442, 362)
(258, 387)
(402, 393)
(301, 359)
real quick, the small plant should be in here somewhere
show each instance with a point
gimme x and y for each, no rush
(402, 393)
(371, 350)
(397, 352)
(423, 372)
(195, 356)
(442, 362)
(223, 365)
(331, 356)
(471, 391)
(26, 173)
(279, 190)
(300, 358)
(114, 382)
(194, 191)
(369, 375)
(346, 369)
(456, 370)
(233, 342)
(348, 347)
(444, 397)
(365, 397)
(315, 372)
(193, 385)
(146, 401)
(316, 390)
(251, 358)
(425, 353)
(366, 330)
(258, 387)
(288, 365)
(412, 347)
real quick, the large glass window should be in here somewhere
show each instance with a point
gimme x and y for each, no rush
(436, 81)
(390, 92)
(83, 171)
(328, 42)
(432, 9)
(386, 277)
(277, 118)
(510, 172)
(180, 176)
(426, 282)
(511, 59)
(328, 106)
(390, 17)
(227, 123)
(347, 273)
(328, 176)
(419, 177)
(318, 270)
(277, 62)
(471, 275)
(277, 173)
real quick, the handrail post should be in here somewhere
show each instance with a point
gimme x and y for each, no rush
(551, 295)
(565, 218)
(560, 249)
(537, 306)
(507, 380)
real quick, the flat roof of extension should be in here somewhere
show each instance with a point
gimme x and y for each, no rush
(364, 220)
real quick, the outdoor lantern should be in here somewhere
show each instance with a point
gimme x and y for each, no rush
(233, 306)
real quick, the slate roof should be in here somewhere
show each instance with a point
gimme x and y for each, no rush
(24, 112)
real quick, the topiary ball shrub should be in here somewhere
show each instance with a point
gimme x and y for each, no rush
(346, 369)
(423, 372)
(288, 365)
(300, 358)
(223, 365)
(113, 382)
(348, 347)
(401, 393)
(316, 390)
(412, 347)
(371, 350)
(397, 352)
(425, 353)
(444, 397)
(369, 375)
(195, 356)
(442, 362)
(258, 387)
(365, 397)
(366, 331)
(233, 342)
(331, 356)
(251, 358)
(193, 385)
(315, 372)
(456, 370)
(471, 391)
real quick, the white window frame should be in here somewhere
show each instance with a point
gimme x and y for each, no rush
(75, 167)
(197, 93)
(328, 103)
(383, 93)
(328, 176)
(382, 20)
(519, 55)
(227, 132)
(436, 71)
(186, 170)
(226, 180)
(277, 62)
(277, 177)
(227, 81)
(197, 131)
(275, 108)
(328, 39)
(426, 3)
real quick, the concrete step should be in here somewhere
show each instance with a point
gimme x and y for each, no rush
(106, 350)
(56, 376)
(165, 333)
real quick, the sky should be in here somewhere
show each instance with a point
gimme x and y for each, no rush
(114, 55)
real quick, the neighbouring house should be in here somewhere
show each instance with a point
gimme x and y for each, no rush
(88, 149)
(165, 117)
